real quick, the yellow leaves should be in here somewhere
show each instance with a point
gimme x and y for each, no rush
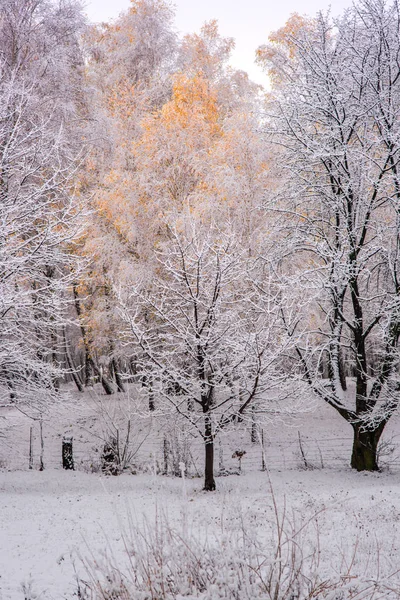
(283, 44)
(174, 149)
(206, 53)
(113, 203)
(190, 118)
(209, 31)
(292, 28)
(112, 177)
(173, 159)
(193, 103)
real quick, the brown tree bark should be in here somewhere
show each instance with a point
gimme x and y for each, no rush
(365, 445)
(117, 375)
(209, 481)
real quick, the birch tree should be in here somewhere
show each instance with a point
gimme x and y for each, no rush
(129, 65)
(171, 149)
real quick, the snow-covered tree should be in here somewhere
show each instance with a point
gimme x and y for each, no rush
(129, 64)
(334, 113)
(172, 130)
(41, 104)
(207, 333)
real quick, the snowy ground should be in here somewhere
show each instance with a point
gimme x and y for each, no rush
(48, 519)
(325, 437)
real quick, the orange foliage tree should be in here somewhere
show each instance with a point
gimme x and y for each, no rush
(178, 139)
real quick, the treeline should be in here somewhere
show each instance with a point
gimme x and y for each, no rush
(167, 222)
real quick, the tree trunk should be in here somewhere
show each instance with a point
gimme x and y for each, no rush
(341, 369)
(10, 385)
(31, 447)
(342, 372)
(107, 387)
(89, 368)
(149, 384)
(365, 444)
(89, 364)
(253, 425)
(54, 343)
(209, 481)
(117, 375)
(71, 365)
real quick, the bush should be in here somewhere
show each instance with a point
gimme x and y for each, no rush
(279, 561)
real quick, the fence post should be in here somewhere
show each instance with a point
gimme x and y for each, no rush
(262, 451)
(221, 457)
(67, 453)
(253, 425)
(41, 462)
(31, 447)
(166, 451)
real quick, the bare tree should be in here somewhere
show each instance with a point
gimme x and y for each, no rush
(40, 139)
(207, 333)
(335, 118)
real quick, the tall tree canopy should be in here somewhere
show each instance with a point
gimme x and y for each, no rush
(41, 111)
(334, 114)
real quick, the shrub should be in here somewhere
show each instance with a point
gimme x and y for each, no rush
(279, 561)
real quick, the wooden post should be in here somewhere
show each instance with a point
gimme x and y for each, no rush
(262, 451)
(31, 447)
(166, 449)
(253, 425)
(221, 457)
(41, 464)
(239, 455)
(67, 453)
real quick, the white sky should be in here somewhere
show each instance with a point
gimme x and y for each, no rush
(248, 21)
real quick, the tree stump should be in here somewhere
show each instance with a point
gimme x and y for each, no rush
(67, 453)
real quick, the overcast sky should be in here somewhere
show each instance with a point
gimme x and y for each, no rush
(248, 21)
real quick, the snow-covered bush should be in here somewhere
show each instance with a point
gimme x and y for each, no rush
(274, 560)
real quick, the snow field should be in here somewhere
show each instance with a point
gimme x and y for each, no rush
(49, 520)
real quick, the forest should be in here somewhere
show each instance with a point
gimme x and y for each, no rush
(187, 258)
(167, 223)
